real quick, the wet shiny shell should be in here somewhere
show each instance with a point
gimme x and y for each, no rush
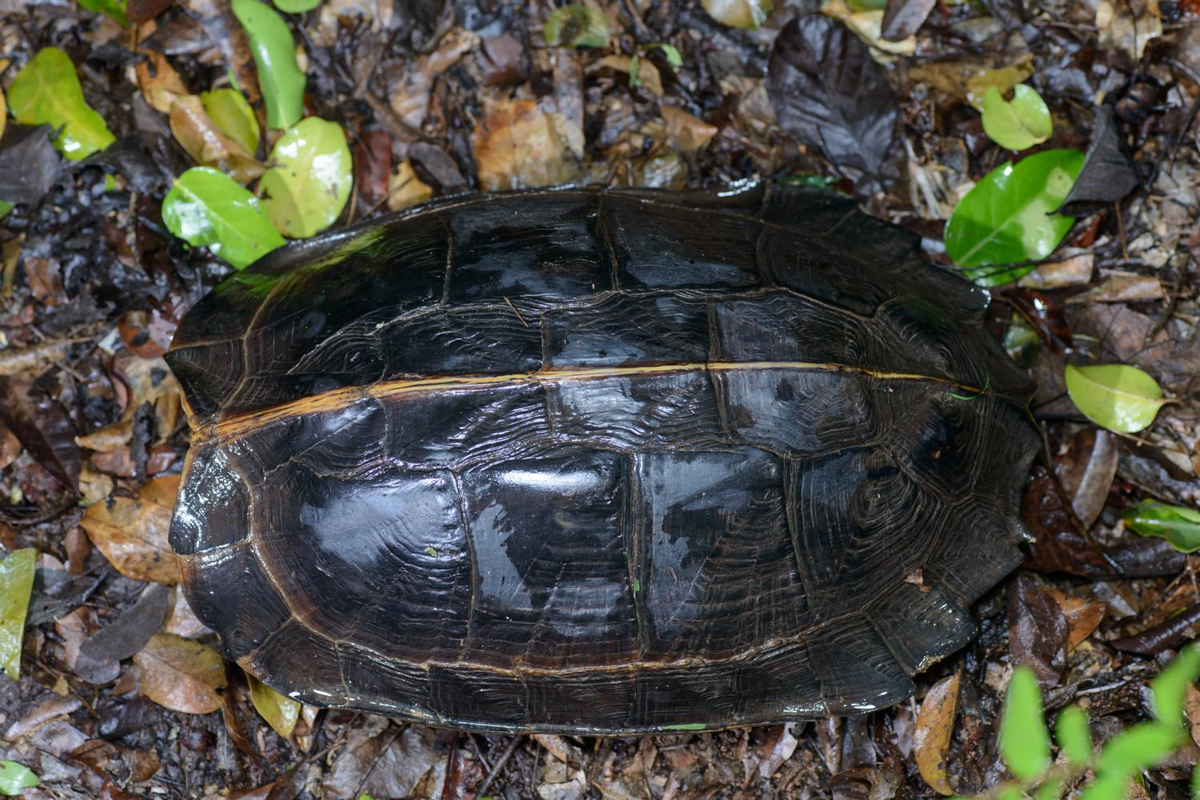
(592, 461)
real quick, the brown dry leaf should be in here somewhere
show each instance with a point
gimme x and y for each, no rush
(207, 144)
(935, 725)
(1086, 471)
(150, 381)
(108, 438)
(1075, 270)
(181, 674)
(159, 82)
(182, 621)
(687, 133)
(10, 446)
(1122, 289)
(969, 78)
(1191, 710)
(132, 532)
(647, 73)
(405, 188)
(93, 485)
(517, 145)
(1082, 615)
(411, 100)
(1128, 26)
(74, 628)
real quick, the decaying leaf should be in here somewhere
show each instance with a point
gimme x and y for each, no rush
(1082, 615)
(207, 144)
(739, 13)
(29, 165)
(129, 632)
(828, 93)
(43, 428)
(647, 74)
(902, 18)
(132, 532)
(405, 188)
(1128, 26)
(280, 712)
(159, 82)
(1037, 630)
(16, 586)
(181, 674)
(867, 24)
(1107, 176)
(74, 628)
(517, 145)
(410, 99)
(935, 726)
(687, 133)
(1086, 471)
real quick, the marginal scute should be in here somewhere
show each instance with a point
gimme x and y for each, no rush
(598, 462)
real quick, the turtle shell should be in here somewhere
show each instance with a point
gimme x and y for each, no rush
(598, 461)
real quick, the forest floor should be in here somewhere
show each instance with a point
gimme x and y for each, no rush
(441, 97)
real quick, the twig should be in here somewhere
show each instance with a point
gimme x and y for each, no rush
(504, 757)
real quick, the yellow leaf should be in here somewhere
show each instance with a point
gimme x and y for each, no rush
(935, 725)
(181, 674)
(280, 712)
(16, 585)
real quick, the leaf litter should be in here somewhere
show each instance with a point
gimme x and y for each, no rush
(437, 100)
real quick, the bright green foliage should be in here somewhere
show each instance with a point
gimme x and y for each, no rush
(739, 13)
(1024, 740)
(1074, 735)
(1170, 687)
(16, 586)
(274, 52)
(206, 208)
(308, 181)
(5, 208)
(280, 712)
(1115, 396)
(866, 5)
(1008, 217)
(15, 778)
(671, 53)
(1019, 123)
(230, 112)
(114, 8)
(47, 91)
(296, 6)
(1178, 525)
(576, 25)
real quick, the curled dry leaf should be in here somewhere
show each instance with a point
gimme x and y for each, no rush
(74, 628)
(411, 99)
(405, 188)
(1086, 471)
(132, 532)
(687, 133)
(159, 82)
(1123, 289)
(867, 24)
(181, 674)
(207, 144)
(43, 428)
(1082, 615)
(935, 725)
(517, 145)
(647, 74)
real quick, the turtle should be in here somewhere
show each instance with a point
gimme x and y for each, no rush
(598, 461)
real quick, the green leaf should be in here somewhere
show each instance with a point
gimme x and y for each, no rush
(1136, 748)
(280, 712)
(739, 13)
(672, 54)
(576, 25)
(1024, 740)
(5, 208)
(1178, 525)
(206, 208)
(48, 91)
(1106, 787)
(1196, 783)
(308, 180)
(866, 5)
(16, 585)
(1007, 217)
(274, 53)
(1074, 735)
(1170, 687)
(1050, 790)
(296, 6)
(114, 8)
(15, 778)
(230, 112)
(1019, 123)
(1115, 396)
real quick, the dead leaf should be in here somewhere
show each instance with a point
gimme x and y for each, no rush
(1060, 543)
(647, 73)
(32, 360)
(687, 133)
(1082, 615)
(43, 428)
(1086, 471)
(783, 743)
(159, 82)
(1122, 289)
(10, 446)
(182, 621)
(110, 437)
(372, 166)
(1191, 710)
(207, 144)
(382, 762)
(935, 726)
(902, 18)
(1037, 631)
(29, 164)
(45, 280)
(1075, 270)
(226, 33)
(411, 99)
(517, 145)
(129, 632)
(74, 627)
(150, 381)
(405, 188)
(133, 532)
(1127, 26)
(181, 674)
(867, 24)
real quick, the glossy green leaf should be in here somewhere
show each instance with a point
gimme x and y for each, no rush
(739, 13)
(1050, 790)
(1019, 123)
(1074, 734)
(296, 6)
(308, 179)
(1170, 686)
(16, 585)
(230, 112)
(15, 778)
(670, 52)
(47, 90)
(1008, 217)
(1115, 396)
(280, 712)
(114, 8)
(1106, 787)
(1178, 525)
(1136, 748)
(206, 208)
(274, 52)
(1024, 740)
(576, 25)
